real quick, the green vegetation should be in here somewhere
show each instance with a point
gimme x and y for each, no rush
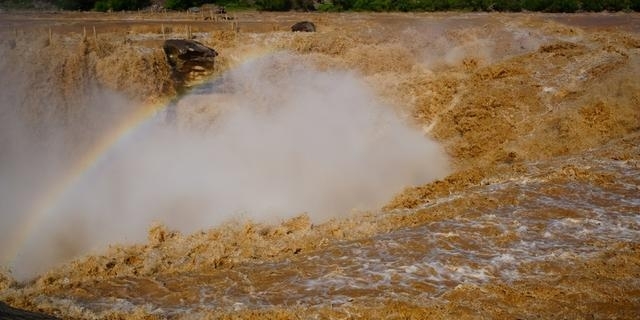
(235, 5)
(75, 4)
(481, 5)
(274, 5)
(285, 5)
(23, 4)
(119, 5)
(347, 5)
(182, 4)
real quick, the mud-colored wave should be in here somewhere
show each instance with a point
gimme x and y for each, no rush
(538, 218)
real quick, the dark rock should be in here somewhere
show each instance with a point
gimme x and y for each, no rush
(190, 60)
(213, 8)
(304, 26)
(9, 313)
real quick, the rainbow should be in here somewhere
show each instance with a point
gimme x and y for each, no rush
(45, 205)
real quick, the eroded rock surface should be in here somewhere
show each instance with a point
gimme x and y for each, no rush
(9, 313)
(304, 26)
(190, 60)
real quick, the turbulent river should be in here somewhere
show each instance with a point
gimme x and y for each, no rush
(536, 228)
(387, 166)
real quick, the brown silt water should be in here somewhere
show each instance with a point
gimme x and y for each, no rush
(397, 165)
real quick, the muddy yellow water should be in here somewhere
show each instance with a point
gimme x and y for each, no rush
(539, 217)
(561, 239)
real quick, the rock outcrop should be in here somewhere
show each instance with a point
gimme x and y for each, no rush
(304, 26)
(7, 312)
(190, 60)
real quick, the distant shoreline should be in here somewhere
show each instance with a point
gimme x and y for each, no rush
(557, 6)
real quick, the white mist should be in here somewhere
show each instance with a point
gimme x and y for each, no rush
(287, 139)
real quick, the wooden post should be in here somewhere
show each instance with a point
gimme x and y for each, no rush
(163, 36)
(50, 37)
(95, 34)
(84, 33)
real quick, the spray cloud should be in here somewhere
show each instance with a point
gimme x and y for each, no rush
(283, 139)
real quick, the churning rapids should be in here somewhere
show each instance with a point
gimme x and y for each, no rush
(537, 228)
(493, 162)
